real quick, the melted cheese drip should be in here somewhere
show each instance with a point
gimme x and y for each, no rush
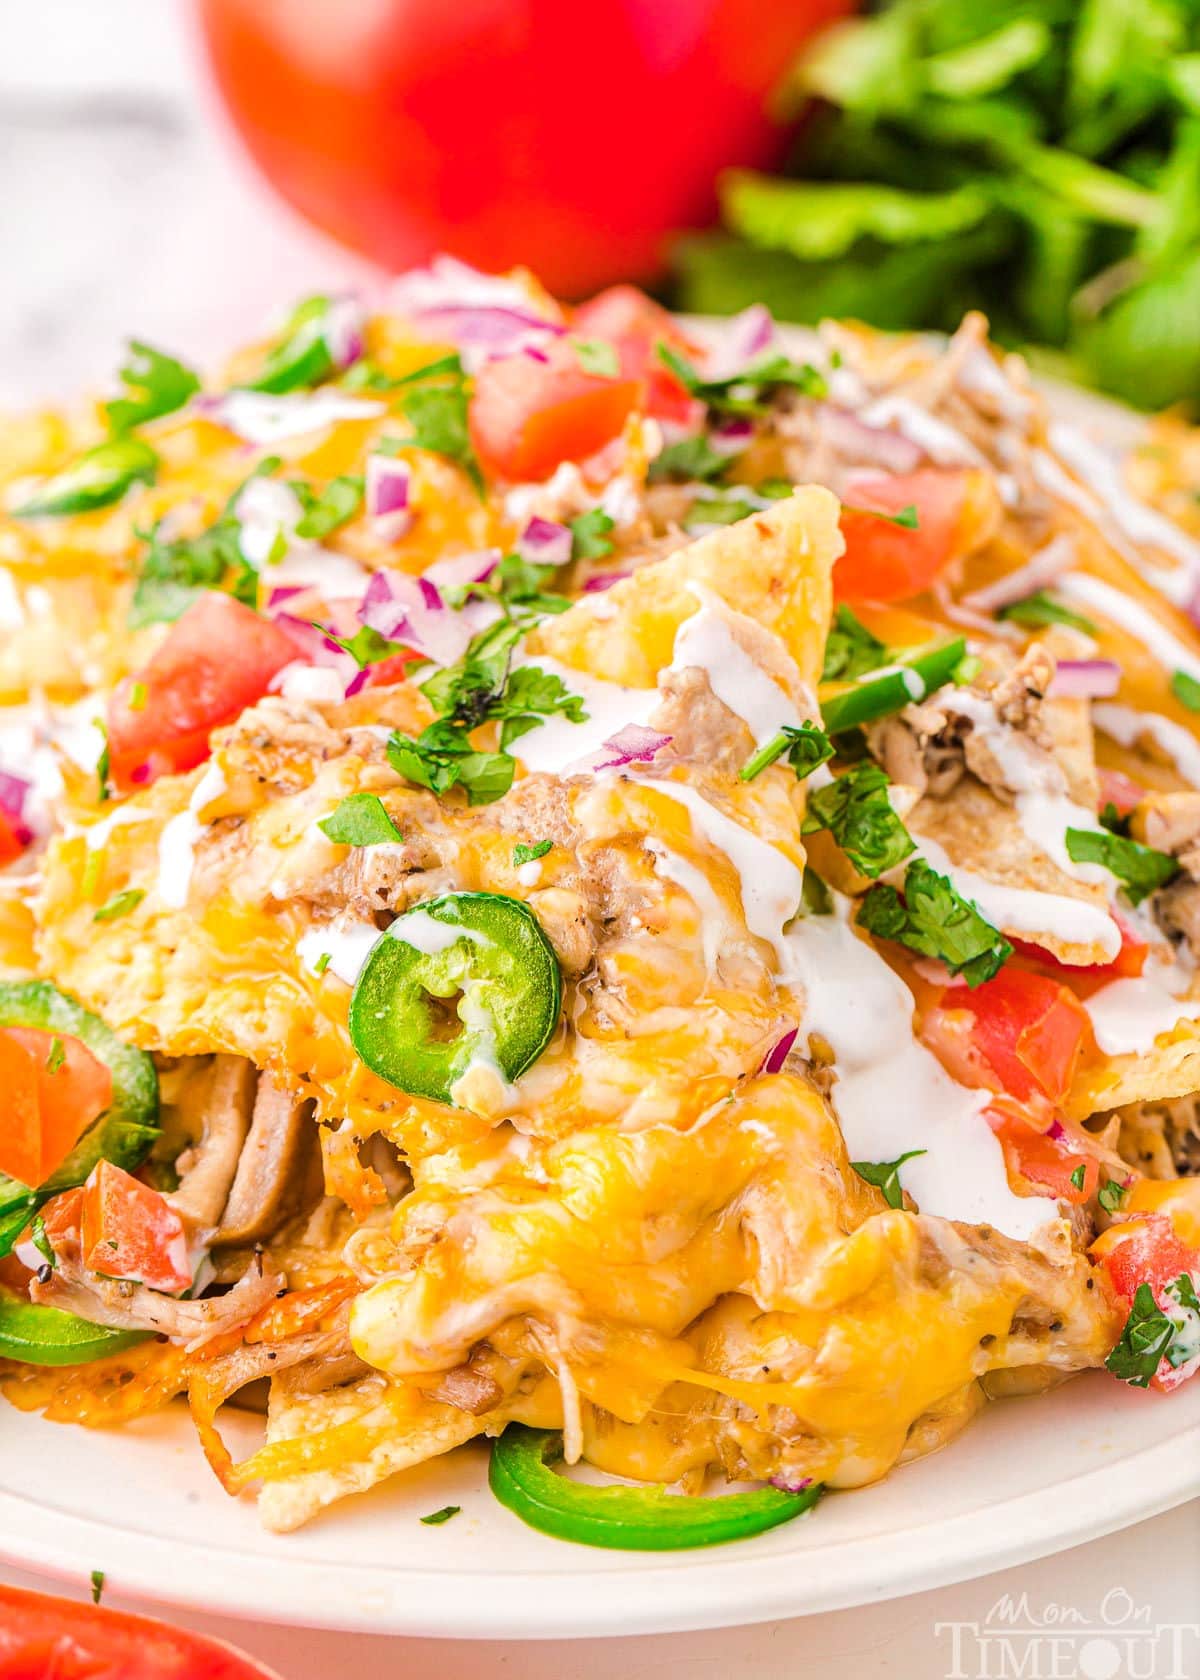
(892, 1094)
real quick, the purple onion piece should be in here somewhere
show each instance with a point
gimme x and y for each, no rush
(543, 542)
(603, 580)
(1046, 565)
(459, 571)
(786, 1484)
(387, 485)
(634, 744)
(744, 341)
(1085, 679)
(731, 436)
(412, 611)
(777, 1055)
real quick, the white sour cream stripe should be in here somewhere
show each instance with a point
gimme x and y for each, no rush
(706, 642)
(1125, 726)
(346, 944)
(177, 842)
(1129, 615)
(1129, 1016)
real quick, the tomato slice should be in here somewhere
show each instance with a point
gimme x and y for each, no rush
(528, 416)
(48, 1638)
(11, 842)
(1047, 1159)
(130, 1231)
(54, 1089)
(218, 659)
(885, 561)
(1027, 1029)
(635, 325)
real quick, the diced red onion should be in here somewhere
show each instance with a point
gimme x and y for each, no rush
(778, 1054)
(285, 592)
(787, 1484)
(534, 354)
(744, 341)
(14, 791)
(731, 436)
(485, 315)
(359, 681)
(345, 319)
(1085, 679)
(1056, 1129)
(387, 485)
(603, 580)
(634, 744)
(495, 331)
(877, 446)
(411, 610)
(1043, 569)
(312, 643)
(461, 570)
(544, 542)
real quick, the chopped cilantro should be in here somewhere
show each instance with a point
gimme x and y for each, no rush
(1153, 1333)
(41, 1241)
(97, 1579)
(1111, 1195)
(815, 897)
(750, 391)
(850, 649)
(1078, 1176)
(858, 814)
(523, 853)
(173, 574)
(1112, 820)
(935, 921)
(158, 385)
(1186, 690)
(597, 356)
(688, 460)
(103, 764)
(806, 747)
(441, 757)
(518, 582)
(1040, 608)
(589, 535)
(435, 1518)
(365, 647)
(366, 375)
(322, 962)
(885, 1175)
(120, 904)
(324, 511)
(57, 1055)
(1140, 869)
(360, 820)
(437, 413)
(734, 504)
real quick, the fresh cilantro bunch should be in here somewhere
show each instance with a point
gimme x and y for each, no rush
(1039, 161)
(935, 921)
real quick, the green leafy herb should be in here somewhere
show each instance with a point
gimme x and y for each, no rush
(1111, 1195)
(441, 757)
(163, 383)
(687, 461)
(41, 1241)
(57, 1055)
(97, 1578)
(733, 505)
(366, 375)
(103, 765)
(1153, 1333)
(325, 510)
(436, 409)
(435, 1518)
(589, 535)
(173, 574)
(856, 810)
(935, 921)
(815, 897)
(523, 853)
(1078, 1176)
(360, 820)
(322, 962)
(597, 356)
(750, 391)
(120, 904)
(907, 517)
(521, 583)
(1186, 690)
(1112, 820)
(806, 747)
(365, 647)
(1039, 608)
(885, 1175)
(850, 649)
(1140, 869)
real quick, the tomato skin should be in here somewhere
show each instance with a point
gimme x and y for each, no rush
(635, 325)
(889, 562)
(48, 1638)
(527, 417)
(11, 843)
(217, 659)
(1047, 1158)
(128, 1230)
(39, 1134)
(572, 138)
(1027, 1030)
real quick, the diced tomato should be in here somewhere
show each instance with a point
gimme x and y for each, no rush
(61, 1217)
(218, 659)
(11, 842)
(131, 1231)
(635, 325)
(528, 416)
(1027, 1030)
(1148, 1250)
(48, 1638)
(46, 1108)
(1047, 1159)
(1128, 963)
(1119, 790)
(391, 670)
(885, 561)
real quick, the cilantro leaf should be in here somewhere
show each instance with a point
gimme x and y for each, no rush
(1151, 1334)
(1140, 869)
(523, 853)
(688, 460)
(1186, 690)
(1079, 1175)
(1111, 1195)
(1040, 608)
(589, 534)
(850, 649)
(750, 391)
(159, 385)
(529, 695)
(437, 414)
(173, 574)
(858, 814)
(597, 356)
(325, 510)
(442, 757)
(517, 582)
(885, 1175)
(57, 1055)
(436, 1518)
(365, 647)
(806, 747)
(120, 904)
(734, 504)
(360, 820)
(935, 921)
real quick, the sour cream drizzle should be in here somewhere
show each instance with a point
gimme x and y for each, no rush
(347, 945)
(1129, 1016)
(892, 1094)
(1130, 616)
(714, 917)
(557, 744)
(177, 842)
(1125, 726)
(706, 642)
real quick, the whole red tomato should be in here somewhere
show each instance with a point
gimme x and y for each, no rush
(570, 135)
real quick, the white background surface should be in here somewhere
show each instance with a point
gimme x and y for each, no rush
(126, 209)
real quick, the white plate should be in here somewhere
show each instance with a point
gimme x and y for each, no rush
(1028, 1477)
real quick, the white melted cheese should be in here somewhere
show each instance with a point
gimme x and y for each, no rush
(892, 1094)
(1127, 727)
(264, 419)
(557, 744)
(714, 917)
(1024, 911)
(1130, 616)
(347, 944)
(706, 642)
(177, 842)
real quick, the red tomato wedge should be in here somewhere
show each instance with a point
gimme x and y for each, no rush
(1148, 1250)
(1027, 1028)
(11, 843)
(47, 1107)
(1047, 1159)
(130, 1231)
(528, 416)
(885, 561)
(47, 1638)
(635, 325)
(218, 659)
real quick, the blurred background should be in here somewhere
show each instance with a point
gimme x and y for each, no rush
(1036, 158)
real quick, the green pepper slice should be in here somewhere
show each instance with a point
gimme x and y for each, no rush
(97, 478)
(45, 1336)
(465, 978)
(891, 692)
(302, 357)
(122, 1134)
(626, 1519)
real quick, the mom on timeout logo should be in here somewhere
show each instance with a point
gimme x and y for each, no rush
(1120, 1640)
